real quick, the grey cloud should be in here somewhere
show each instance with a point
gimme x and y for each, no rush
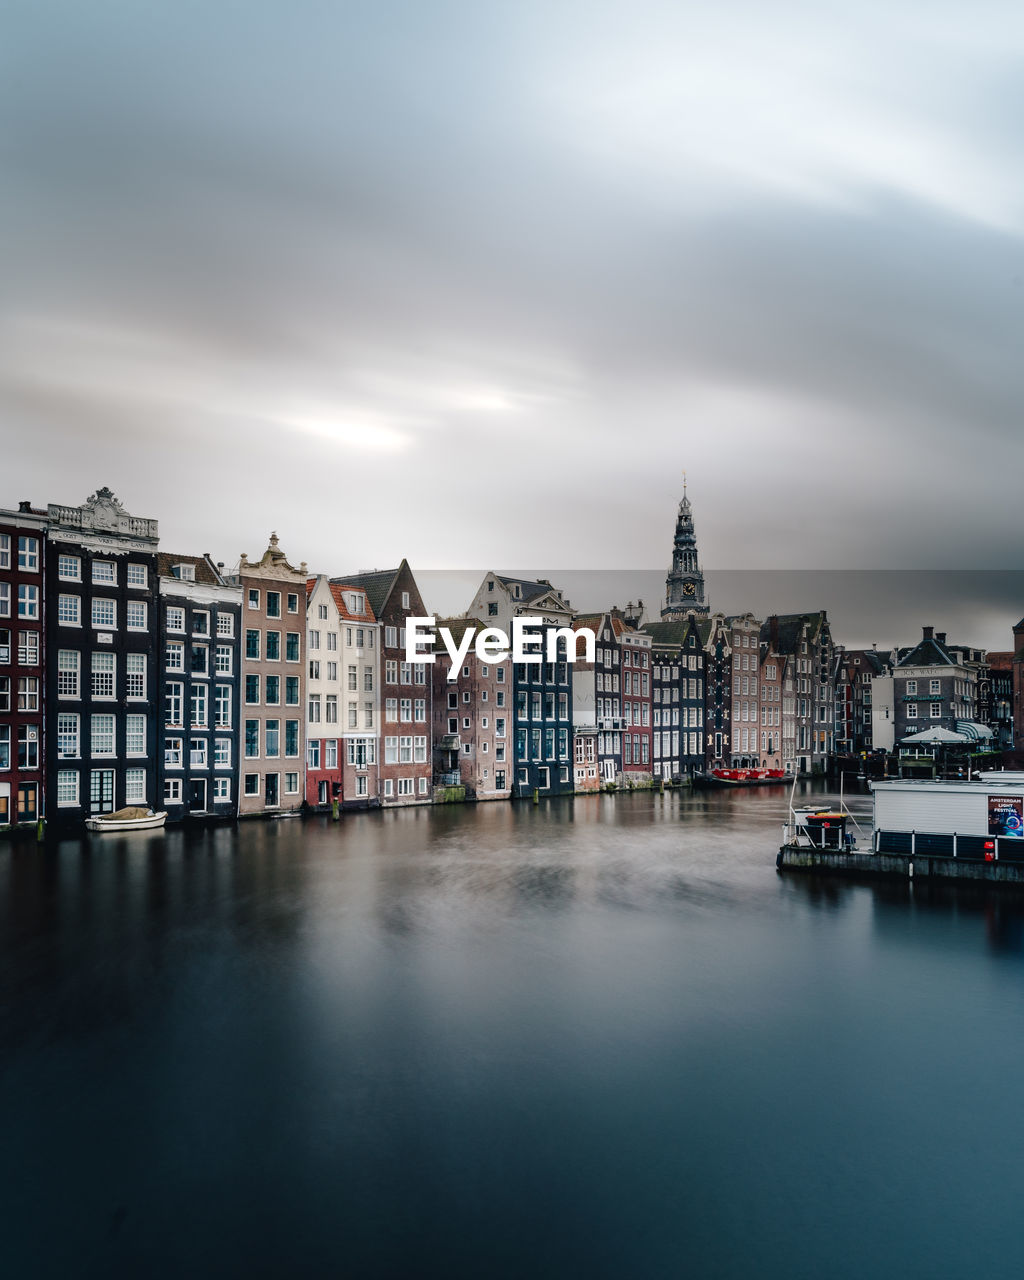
(342, 220)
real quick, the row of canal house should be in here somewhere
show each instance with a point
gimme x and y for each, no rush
(132, 676)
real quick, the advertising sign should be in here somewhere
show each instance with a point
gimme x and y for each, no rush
(1006, 816)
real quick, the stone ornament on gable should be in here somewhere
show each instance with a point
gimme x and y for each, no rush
(104, 510)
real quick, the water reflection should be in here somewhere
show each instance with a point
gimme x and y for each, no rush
(597, 1037)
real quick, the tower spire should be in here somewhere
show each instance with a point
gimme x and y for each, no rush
(684, 585)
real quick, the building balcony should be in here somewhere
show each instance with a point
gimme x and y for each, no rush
(450, 779)
(450, 742)
(605, 724)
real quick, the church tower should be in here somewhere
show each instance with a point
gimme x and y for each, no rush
(684, 586)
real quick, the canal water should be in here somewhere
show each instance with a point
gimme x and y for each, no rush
(591, 1038)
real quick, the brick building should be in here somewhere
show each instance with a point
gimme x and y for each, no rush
(405, 770)
(22, 666)
(273, 682)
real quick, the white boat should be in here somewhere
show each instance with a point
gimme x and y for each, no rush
(134, 818)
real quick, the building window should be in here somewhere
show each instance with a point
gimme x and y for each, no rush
(175, 618)
(253, 598)
(102, 737)
(291, 691)
(272, 689)
(221, 789)
(273, 646)
(313, 753)
(69, 611)
(197, 756)
(252, 784)
(104, 614)
(911, 686)
(104, 571)
(291, 784)
(912, 711)
(291, 738)
(5, 746)
(331, 708)
(199, 707)
(135, 786)
(173, 703)
(5, 599)
(314, 669)
(137, 575)
(225, 624)
(67, 735)
(252, 645)
(291, 647)
(69, 569)
(135, 675)
(172, 753)
(172, 791)
(314, 708)
(68, 663)
(252, 690)
(135, 735)
(314, 639)
(201, 660)
(273, 604)
(293, 602)
(223, 661)
(252, 740)
(67, 788)
(103, 675)
(28, 601)
(174, 656)
(936, 711)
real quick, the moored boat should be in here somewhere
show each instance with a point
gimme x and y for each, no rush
(134, 818)
(738, 777)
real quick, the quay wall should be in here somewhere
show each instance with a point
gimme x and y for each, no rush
(897, 866)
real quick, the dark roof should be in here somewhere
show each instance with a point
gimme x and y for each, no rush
(667, 632)
(165, 563)
(377, 584)
(528, 589)
(790, 627)
(926, 653)
(1001, 660)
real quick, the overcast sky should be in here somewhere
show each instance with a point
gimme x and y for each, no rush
(473, 282)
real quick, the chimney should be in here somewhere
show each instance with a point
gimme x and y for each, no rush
(941, 637)
(929, 632)
(26, 507)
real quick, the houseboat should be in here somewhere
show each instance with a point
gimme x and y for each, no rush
(950, 829)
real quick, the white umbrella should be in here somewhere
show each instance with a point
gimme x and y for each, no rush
(936, 735)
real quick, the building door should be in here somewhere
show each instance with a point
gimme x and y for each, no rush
(323, 793)
(101, 791)
(27, 801)
(197, 795)
(271, 791)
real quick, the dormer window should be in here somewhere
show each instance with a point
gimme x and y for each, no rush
(356, 602)
(186, 572)
(517, 591)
